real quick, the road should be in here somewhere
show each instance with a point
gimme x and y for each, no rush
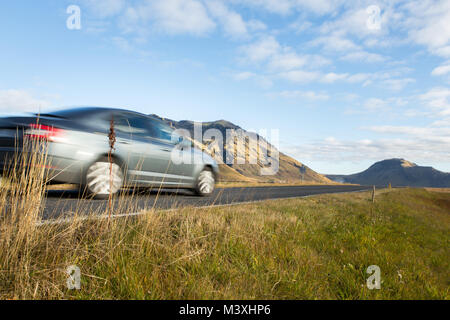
(63, 204)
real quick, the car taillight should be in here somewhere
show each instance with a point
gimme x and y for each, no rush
(43, 132)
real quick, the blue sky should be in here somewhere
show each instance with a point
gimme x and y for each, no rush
(345, 86)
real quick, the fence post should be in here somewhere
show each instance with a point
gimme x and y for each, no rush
(373, 194)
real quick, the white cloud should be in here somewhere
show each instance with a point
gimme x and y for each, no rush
(335, 43)
(167, 16)
(348, 49)
(260, 50)
(300, 76)
(363, 56)
(428, 133)
(375, 104)
(181, 16)
(300, 26)
(419, 144)
(20, 101)
(244, 75)
(283, 62)
(441, 70)
(424, 21)
(428, 24)
(287, 61)
(438, 101)
(383, 79)
(298, 94)
(445, 122)
(397, 84)
(231, 21)
(193, 17)
(355, 22)
(443, 51)
(360, 77)
(333, 77)
(395, 107)
(256, 25)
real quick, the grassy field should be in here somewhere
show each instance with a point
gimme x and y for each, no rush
(313, 248)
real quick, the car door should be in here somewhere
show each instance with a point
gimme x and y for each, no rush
(133, 143)
(147, 145)
(174, 173)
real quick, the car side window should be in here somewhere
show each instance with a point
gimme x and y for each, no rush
(163, 132)
(135, 127)
(131, 127)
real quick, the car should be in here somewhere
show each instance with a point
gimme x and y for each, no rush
(105, 149)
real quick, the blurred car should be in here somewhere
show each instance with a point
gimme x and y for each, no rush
(78, 145)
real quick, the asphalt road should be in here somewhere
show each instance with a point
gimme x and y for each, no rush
(63, 204)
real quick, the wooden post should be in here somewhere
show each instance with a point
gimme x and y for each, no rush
(373, 195)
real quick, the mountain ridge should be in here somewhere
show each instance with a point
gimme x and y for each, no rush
(397, 172)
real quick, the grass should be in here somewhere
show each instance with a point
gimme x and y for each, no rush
(446, 190)
(315, 248)
(311, 248)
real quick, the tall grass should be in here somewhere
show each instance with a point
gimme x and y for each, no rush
(287, 249)
(21, 205)
(34, 252)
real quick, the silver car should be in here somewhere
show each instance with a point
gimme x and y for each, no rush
(141, 148)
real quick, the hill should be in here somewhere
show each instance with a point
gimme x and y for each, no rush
(398, 172)
(289, 169)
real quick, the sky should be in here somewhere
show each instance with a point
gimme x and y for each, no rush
(346, 83)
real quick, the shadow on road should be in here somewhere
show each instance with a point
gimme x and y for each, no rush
(141, 192)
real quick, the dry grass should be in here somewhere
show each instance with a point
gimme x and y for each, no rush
(310, 248)
(445, 190)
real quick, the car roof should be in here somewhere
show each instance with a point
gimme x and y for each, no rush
(87, 111)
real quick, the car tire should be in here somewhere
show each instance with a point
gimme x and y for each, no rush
(104, 178)
(206, 182)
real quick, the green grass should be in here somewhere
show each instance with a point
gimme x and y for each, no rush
(314, 248)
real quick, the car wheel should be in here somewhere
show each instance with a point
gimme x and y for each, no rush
(205, 183)
(104, 179)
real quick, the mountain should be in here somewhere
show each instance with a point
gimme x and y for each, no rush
(398, 172)
(246, 150)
